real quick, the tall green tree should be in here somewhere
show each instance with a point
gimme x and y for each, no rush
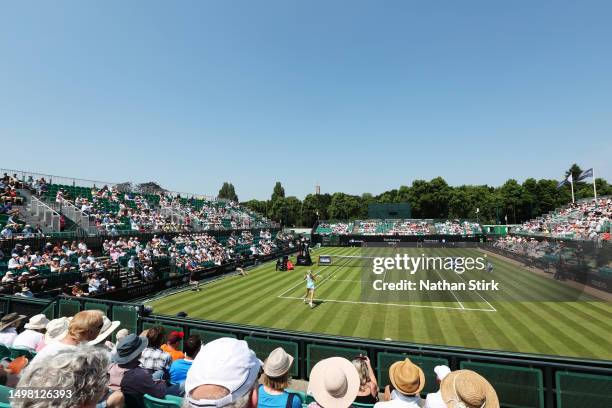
(278, 191)
(344, 206)
(227, 192)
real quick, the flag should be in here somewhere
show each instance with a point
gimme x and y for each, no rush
(585, 174)
(561, 183)
(570, 179)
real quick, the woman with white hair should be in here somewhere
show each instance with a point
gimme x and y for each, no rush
(77, 377)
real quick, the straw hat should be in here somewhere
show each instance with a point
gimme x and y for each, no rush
(407, 377)
(334, 382)
(278, 363)
(467, 389)
(37, 322)
(57, 329)
(108, 327)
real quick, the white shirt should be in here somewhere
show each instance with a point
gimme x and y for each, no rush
(7, 336)
(14, 263)
(434, 400)
(28, 338)
(399, 400)
(51, 350)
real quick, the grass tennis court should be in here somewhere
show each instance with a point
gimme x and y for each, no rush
(535, 314)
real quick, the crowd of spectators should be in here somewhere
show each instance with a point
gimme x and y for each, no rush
(563, 256)
(456, 227)
(336, 228)
(27, 270)
(8, 190)
(399, 227)
(206, 215)
(410, 227)
(584, 220)
(366, 227)
(75, 355)
(113, 211)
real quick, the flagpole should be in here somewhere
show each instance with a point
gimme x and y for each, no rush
(594, 187)
(572, 184)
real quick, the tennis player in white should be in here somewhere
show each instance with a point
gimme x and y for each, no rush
(310, 279)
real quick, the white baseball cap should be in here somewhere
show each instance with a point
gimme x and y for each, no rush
(225, 362)
(441, 371)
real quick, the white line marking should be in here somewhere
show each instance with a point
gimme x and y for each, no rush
(390, 304)
(487, 302)
(452, 292)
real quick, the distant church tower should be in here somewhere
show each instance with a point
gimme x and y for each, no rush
(317, 189)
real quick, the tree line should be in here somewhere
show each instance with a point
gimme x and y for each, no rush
(518, 202)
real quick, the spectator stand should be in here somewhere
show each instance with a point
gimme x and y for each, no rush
(521, 380)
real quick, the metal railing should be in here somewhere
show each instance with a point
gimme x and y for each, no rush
(46, 215)
(29, 176)
(75, 214)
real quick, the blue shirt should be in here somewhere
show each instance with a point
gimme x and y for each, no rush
(178, 370)
(265, 400)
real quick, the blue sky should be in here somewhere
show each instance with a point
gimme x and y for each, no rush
(359, 96)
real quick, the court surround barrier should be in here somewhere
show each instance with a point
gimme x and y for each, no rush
(521, 380)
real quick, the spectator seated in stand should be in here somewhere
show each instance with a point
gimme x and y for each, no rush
(224, 373)
(84, 327)
(275, 379)
(173, 342)
(81, 375)
(153, 357)
(180, 367)
(584, 220)
(8, 327)
(407, 381)
(334, 382)
(368, 385)
(127, 375)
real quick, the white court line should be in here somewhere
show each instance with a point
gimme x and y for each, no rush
(452, 292)
(391, 304)
(478, 293)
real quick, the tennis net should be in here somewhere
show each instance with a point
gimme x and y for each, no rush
(346, 260)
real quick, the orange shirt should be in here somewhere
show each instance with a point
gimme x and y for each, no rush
(174, 353)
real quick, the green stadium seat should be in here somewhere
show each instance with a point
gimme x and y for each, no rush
(97, 306)
(263, 347)
(152, 402)
(515, 386)
(128, 316)
(69, 307)
(209, 335)
(4, 351)
(18, 351)
(360, 405)
(316, 353)
(300, 394)
(5, 394)
(583, 390)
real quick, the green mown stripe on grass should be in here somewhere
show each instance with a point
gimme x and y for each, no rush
(565, 328)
